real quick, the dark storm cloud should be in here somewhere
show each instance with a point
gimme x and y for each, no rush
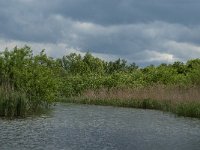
(27, 20)
(149, 30)
(109, 12)
(20, 17)
(133, 40)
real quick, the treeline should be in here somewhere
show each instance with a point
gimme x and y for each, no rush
(29, 82)
(88, 72)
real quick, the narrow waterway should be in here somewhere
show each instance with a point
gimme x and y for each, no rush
(74, 127)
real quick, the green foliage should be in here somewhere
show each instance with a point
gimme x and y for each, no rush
(34, 76)
(88, 72)
(39, 80)
(12, 104)
(188, 109)
(194, 71)
(118, 65)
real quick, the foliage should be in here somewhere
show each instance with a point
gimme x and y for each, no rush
(34, 76)
(41, 80)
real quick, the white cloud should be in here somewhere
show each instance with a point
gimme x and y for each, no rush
(53, 50)
(159, 57)
(183, 50)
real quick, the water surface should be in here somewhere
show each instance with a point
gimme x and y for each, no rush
(74, 127)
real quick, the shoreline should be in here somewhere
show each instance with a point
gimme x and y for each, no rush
(185, 109)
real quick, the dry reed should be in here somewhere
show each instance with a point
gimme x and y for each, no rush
(178, 100)
(158, 92)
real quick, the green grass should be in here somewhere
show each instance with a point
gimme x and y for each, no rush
(12, 104)
(16, 105)
(186, 109)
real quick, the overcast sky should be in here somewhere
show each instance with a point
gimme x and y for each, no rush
(141, 31)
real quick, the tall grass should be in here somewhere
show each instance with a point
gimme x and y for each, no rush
(12, 103)
(179, 100)
(157, 92)
(16, 103)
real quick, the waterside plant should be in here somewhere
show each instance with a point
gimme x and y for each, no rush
(180, 101)
(29, 82)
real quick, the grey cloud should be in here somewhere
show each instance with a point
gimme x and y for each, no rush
(131, 39)
(149, 30)
(21, 20)
(30, 20)
(131, 11)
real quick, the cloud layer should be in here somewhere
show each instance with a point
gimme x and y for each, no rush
(145, 32)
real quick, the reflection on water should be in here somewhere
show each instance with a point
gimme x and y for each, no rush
(74, 127)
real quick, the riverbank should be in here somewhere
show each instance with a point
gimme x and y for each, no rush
(185, 109)
(182, 102)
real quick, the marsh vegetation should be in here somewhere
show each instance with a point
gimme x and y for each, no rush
(30, 82)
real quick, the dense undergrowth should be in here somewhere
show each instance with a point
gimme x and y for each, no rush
(29, 82)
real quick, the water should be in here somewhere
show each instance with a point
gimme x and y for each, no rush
(74, 127)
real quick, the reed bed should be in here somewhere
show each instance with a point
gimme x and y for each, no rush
(12, 103)
(15, 104)
(158, 92)
(178, 100)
